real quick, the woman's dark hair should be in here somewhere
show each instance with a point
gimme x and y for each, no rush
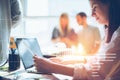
(114, 17)
(82, 14)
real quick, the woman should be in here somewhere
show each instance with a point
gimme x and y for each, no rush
(106, 12)
(63, 33)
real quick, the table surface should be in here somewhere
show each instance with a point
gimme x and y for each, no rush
(21, 74)
(27, 76)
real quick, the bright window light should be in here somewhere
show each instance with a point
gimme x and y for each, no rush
(37, 7)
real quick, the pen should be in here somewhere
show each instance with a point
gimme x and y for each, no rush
(28, 48)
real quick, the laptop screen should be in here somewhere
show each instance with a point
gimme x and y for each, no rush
(26, 48)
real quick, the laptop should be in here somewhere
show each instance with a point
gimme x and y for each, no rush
(27, 48)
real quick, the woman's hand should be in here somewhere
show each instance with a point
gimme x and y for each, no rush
(48, 66)
(43, 65)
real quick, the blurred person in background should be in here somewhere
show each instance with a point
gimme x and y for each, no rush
(10, 15)
(64, 33)
(89, 36)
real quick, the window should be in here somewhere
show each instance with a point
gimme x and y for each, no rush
(36, 8)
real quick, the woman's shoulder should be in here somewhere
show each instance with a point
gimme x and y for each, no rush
(116, 34)
(56, 28)
(72, 30)
(118, 30)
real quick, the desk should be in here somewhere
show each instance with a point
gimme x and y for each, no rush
(21, 74)
(28, 76)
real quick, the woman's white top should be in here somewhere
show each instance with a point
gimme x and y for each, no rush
(101, 68)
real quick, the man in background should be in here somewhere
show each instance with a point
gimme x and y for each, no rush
(89, 36)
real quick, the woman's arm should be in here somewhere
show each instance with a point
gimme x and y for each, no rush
(61, 69)
(78, 73)
(47, 66)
